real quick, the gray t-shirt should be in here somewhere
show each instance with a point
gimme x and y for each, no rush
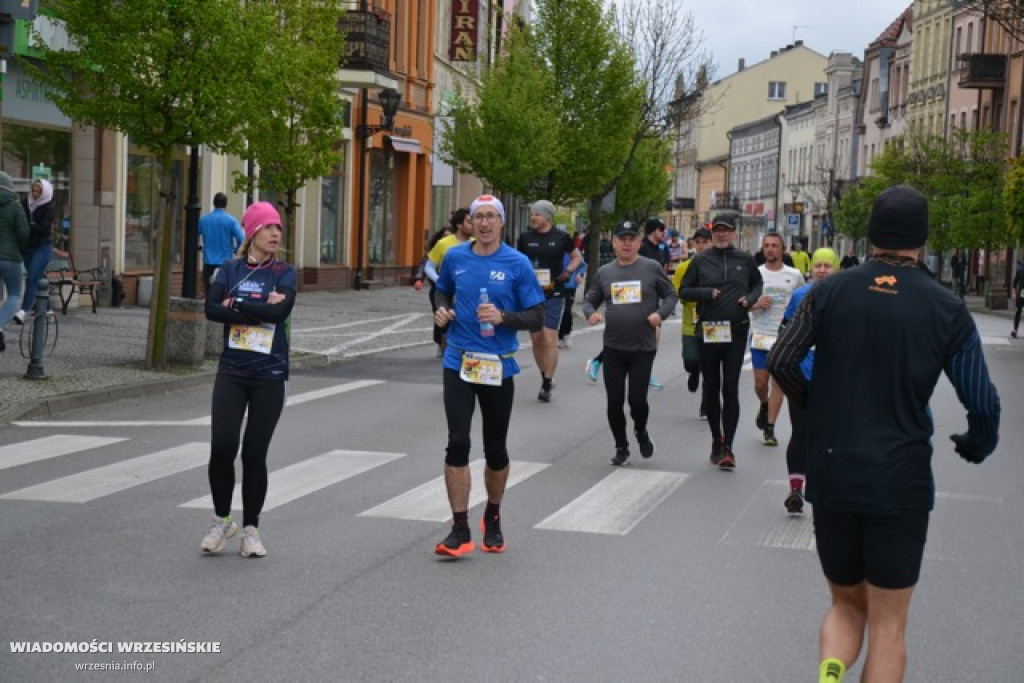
(631, 293)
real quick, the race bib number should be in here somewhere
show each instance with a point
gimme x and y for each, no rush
(256, 338)
(716, 331)
(481, 368)
(629, 292)
(543, 277)
(761, 341)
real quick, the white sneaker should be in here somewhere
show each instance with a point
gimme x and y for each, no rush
(19, 317)
(251, 544)
(564, 343)
(221, 529)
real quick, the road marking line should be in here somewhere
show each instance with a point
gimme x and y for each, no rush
(297, 399)
(102, 481)
(306, 477)
(995, 341)
(50, 447)
(429, 502)
(615, 504)
(405, 320)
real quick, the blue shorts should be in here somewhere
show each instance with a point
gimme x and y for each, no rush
(759, 359)
(553, 312)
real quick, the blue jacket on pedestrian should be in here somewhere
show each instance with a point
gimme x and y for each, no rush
(222, 236)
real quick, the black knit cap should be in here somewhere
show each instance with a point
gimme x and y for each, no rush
(899, 219)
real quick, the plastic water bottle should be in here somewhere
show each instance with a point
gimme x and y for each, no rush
(486, 329)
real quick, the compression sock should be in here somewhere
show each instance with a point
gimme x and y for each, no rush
(831, 671)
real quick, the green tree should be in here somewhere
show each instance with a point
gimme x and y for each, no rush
(508, 136)
(644, 187)
(165, 74)
(295, 135)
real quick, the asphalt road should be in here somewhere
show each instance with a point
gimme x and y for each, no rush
(666, 570)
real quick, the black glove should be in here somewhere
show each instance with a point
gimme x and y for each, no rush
(968, 448)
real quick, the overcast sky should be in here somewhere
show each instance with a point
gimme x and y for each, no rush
(751, 29)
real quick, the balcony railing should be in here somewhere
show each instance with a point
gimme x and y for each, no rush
(367, 40)
(726, 201)
(982, 71)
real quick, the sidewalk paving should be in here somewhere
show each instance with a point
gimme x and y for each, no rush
(100, 357)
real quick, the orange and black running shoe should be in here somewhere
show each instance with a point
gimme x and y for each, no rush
(494, 540)
(728, 461)
(457, 544)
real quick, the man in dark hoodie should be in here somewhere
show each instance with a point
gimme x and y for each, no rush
(13, 242)
(725, 283)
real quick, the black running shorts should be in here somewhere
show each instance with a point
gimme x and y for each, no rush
(884, 550)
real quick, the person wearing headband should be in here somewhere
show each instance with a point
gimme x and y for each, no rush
(486, 292)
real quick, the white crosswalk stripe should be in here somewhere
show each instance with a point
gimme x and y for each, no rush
(429, 502)
(306, 477)
(103, 481)
(50, 447)
(617, 503)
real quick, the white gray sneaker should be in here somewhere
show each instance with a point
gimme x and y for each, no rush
(252, 546)
(221, 529)
(19, 317)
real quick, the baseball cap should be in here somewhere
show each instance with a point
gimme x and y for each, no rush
(652, 224)
(627, 228)
(702, 233)
(725, 221)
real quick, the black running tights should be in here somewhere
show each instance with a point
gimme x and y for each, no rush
(620, 368)
(796, 452)
(460, 400)
(232, 397)
(720, 364)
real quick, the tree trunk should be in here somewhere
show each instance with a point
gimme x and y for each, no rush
(594, 243)
(156, 347)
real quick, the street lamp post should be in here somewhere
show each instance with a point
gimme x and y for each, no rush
(389, 101)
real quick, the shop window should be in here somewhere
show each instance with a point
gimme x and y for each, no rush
(383, 223)
(31, 153)
(333, 246)
(144, 209)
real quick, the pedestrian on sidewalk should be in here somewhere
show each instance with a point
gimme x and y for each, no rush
(221, 237)
(13, 243)
(479, 363)
(39, 210)
(869, 474)
(637, 296)
(252, 296)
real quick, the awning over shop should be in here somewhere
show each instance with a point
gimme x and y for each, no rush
(410, 145)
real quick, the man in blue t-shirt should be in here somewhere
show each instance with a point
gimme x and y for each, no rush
(221, 236)
(485, 292)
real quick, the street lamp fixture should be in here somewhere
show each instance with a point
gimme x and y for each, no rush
(389, 101)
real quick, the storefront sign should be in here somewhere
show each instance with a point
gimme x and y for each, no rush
(465, 16)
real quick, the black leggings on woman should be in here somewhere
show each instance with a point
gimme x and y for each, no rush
(796, 452)
(720, 364)
(232, 396)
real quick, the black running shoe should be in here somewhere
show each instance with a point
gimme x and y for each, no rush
(643, 440)
(545, 394)
(457, 544)
(494, 540)
(621, 456)
(716, 452)
(794, 502)
(762, 417)
(769, 436)
(693, 382)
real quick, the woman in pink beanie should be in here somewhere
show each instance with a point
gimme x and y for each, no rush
(252, 296)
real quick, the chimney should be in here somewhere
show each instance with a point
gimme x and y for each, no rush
(742, 65)
(799, 43)
(774, 54)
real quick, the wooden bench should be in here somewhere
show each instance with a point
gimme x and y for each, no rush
(65, 280)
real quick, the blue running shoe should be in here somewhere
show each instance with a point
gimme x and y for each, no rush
(593, 367)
